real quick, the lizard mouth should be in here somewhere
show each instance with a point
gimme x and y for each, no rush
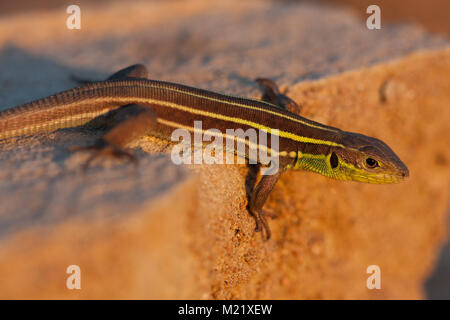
(382, 178)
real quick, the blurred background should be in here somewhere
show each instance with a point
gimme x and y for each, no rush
(431, 14)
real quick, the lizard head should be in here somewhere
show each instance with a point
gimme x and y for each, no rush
(366, 159)
(357, 158)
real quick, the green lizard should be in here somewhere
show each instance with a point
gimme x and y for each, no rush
(137, 106)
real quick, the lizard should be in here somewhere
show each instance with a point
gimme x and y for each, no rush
(136, 106)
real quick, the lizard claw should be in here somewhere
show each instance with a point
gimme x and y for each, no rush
(262, 224)
(269, 214)
(103, 148)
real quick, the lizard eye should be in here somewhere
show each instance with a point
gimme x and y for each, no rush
(371, 163)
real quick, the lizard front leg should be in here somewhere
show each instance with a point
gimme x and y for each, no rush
(272, 94)
(261, 191)
(257, 199)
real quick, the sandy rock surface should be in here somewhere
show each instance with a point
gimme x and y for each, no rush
(164, 231)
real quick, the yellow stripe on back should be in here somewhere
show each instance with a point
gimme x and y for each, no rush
(185, 92)
(255, 125)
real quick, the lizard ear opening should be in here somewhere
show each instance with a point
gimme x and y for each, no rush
(334, 161)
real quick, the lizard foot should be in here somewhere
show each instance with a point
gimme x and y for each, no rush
(262, 224)
(105, 149)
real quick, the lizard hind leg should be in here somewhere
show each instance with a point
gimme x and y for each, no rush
(129, 123)
(133, 71)
(102, 148)
(271, 93)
